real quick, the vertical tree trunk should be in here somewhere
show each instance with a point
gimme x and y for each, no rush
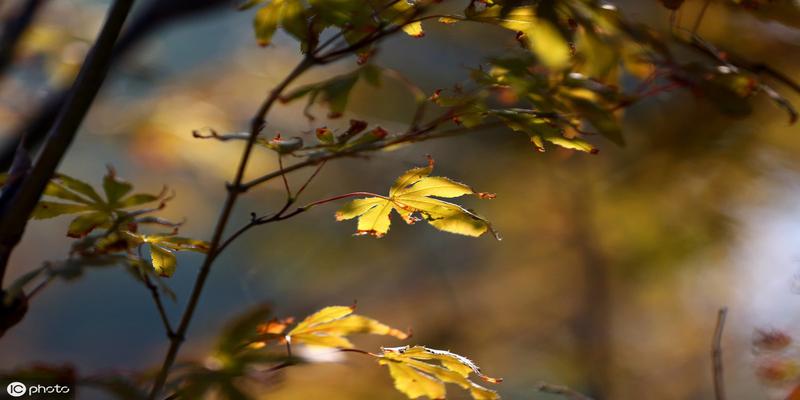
(592, 324)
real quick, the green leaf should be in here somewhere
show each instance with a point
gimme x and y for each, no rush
(79, 187)
(137, 200)
(83, 225)
(178, 243)
(163, 260)
(602, 120)
(548, 44)
(266, 21)
(335, 92)
(114, 187)
(51, 209)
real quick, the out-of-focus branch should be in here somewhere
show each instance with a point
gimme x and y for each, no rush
(18, 204)
(13, 28)
(562, 391)
(716, 355)
(156, 15)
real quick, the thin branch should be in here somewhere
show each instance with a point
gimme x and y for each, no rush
(562, 391)
(148, 20)
(234, 191)
(716, 355)
(414, 136)
(41, 286)
(159, 304)
(285, 181)
(18, 204)
(700, 17)
(310, 178)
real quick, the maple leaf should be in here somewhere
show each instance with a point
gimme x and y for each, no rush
(411, 196)
(420, 371)
(329, 326)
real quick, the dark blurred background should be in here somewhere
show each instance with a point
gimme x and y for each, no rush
(611, 269)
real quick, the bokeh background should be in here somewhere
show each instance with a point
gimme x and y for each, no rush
(608, 277)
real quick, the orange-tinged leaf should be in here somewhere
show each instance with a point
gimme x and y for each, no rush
(275, 326)
(414, 29)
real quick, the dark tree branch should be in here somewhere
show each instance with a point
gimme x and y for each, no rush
(18, 204)
(156, 15)
(716, 355)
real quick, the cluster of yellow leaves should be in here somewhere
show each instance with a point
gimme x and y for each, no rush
(411, 195)
(417, 371)
(420, 371)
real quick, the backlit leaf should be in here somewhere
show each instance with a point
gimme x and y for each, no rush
(420, 371)
(266, 22)
(330, 326)
(163, 260)
(411, 196)
(414, 29)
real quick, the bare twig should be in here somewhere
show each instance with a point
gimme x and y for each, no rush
(234, 191)
(562, 391)
(310, 178)
(285, 180)
(700, 16)
(716, 355)
(159, 305)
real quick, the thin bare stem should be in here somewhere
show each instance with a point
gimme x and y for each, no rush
(716, 355)
(41, 286)
(234, 191)
(159, 305)
(310, 178)
(283, 176)
(700, 16)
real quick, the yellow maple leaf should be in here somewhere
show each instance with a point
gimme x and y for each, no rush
(329, 326)
(411, 196)
(420, 371)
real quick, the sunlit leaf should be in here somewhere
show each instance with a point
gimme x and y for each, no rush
(423, 372)
(411, 195)
(163, 260)
(414, 29)
(330, 326)
(266, 21)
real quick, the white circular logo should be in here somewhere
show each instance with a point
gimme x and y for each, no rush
(16, 389)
